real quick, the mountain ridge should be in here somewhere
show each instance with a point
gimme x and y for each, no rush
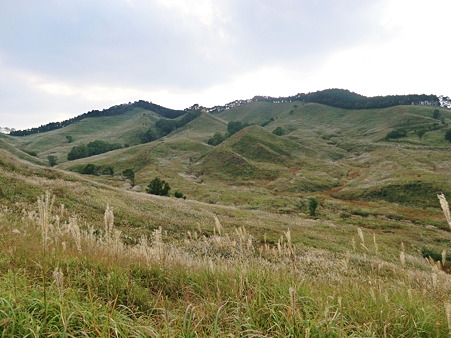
(340, 98)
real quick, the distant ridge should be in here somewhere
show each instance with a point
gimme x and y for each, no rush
(340, 98)
(114, 110)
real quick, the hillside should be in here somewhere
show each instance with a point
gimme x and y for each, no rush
(370, 260)
(210, 266)
(329, 152)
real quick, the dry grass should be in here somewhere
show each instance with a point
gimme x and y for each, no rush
(225, 282)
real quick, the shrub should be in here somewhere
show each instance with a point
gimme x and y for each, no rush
(178, 194)
(448, 135)
(312, 205)
(397, 133)
(89, 169)
(217, 138)
(130, 175)
(279, 131)
(53, 160)
(31, 152)
(158, 187)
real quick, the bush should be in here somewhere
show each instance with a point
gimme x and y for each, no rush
(89, 169)
(109, 170)
(158, 187)
(235, 126)
(217, 138)
(53, 160)
(448, 135)
(31, 152)
(312, 205)
(130, 175)
(279, 131)
(178, 194)
(397, 133)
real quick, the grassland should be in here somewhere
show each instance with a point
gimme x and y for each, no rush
(159, 266)
(240, 256)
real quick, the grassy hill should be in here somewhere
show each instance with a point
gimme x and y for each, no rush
(91, 255)
(100, 265)
(326, 151)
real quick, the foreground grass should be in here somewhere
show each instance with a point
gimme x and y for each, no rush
(58, 279)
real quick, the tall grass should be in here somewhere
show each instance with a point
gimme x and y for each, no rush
(445, 208)
(228, 283)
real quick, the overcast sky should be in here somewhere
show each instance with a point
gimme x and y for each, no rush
(62, 58)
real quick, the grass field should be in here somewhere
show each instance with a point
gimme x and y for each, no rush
(84, 255)
(152, 266)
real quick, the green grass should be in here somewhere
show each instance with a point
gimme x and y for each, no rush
(202, 284)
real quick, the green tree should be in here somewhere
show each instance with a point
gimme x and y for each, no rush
(279, 131)
(69, 139)
(178, 194)
(89, 169)
(158, 187)
(108, 170)
(436, 114)
(420, 132)
(448, 135)
(235, 126)
(397, 133)
(217, 138)
(312, 205)
(53, 160)
(130, 175)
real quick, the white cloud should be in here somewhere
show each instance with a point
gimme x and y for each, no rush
(71, 57)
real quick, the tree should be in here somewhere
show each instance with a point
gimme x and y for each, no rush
(89, 169)
(235, 126)
(312, 205)
(217, 138)
(53, 160)
(130, 175)
(158, 187)
(436, 114)
(108, 170)
(397, 133)
(420, 132)
(279, 131)
(448, 135)
(178, 194)
(69, 139)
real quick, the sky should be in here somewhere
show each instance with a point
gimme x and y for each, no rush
(62, 58)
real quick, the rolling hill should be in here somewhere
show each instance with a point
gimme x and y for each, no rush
(334, 152)
(243, 254)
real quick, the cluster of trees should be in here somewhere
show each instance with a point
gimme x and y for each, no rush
(161, 188)
(165, 126)
(114, 110)
(92, 169)
(342, 98)
(91, 149)
(279, 131)
(395, 134)
(232, 128)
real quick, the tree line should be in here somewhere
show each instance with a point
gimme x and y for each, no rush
(92, 148)
(341, 98)
(165, 126)
(114, 110)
